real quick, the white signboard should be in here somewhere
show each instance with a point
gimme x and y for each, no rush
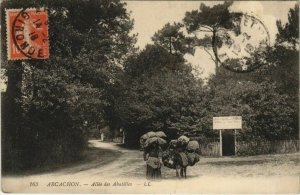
(227, 122)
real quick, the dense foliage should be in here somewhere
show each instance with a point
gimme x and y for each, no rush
(266, 98)
(95, 77)
(51, 103)
(160, 93)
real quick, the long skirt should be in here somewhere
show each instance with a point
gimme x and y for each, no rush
(153, 173)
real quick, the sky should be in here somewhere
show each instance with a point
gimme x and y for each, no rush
(150, 16)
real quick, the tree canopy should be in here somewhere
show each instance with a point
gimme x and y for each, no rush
(267, 97)
(95, 77)
(57, 100)
(160, 93)
(213, 22)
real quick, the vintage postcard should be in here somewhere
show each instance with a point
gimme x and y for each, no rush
(150, 97)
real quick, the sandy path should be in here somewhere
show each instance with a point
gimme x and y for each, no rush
(109, 163)
(119, 166)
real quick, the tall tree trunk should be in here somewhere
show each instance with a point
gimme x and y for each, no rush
(170, 45)
(12, 115)
(214, 47)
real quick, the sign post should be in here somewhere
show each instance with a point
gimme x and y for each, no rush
(235, 149)
(221, 150)
(227, 122)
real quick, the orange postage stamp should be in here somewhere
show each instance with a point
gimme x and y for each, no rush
(27, 34)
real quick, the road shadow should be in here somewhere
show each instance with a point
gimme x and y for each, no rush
(124, 146)
(91, 158)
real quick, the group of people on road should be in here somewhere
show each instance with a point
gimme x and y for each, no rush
(178, 154)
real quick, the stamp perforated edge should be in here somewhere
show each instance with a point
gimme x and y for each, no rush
(8, 30)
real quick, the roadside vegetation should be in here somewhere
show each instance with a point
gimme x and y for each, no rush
(96, 77)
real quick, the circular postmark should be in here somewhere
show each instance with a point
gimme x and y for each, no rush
(29, 32)
(237, 48)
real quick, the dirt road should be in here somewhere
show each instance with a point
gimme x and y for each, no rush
(108, 162)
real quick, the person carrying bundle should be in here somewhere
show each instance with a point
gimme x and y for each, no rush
(153, 153)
